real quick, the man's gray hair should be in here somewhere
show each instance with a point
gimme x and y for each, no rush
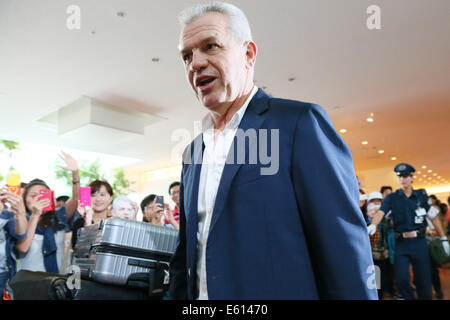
(120, 199)
(237, 21)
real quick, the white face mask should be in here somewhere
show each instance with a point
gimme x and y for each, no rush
(372, 208)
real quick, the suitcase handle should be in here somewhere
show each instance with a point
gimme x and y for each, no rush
(142, 263)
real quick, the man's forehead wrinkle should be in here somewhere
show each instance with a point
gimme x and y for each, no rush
(209, 31)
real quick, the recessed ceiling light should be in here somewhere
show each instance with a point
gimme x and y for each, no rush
(430, 171)
(365, 142)
(419, 172)
(424, 167)
(370, 119)
(380, 151)
(424, 175)
(394, 158)
(343, 130)
(435, 174)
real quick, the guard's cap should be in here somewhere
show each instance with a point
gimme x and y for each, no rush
(404, 169)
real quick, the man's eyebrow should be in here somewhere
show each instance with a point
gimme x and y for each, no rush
(206, 40)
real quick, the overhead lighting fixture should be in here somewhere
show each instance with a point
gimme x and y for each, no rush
(380, 151)
(394, 158)
(424, 167)
(430, 171)
(435, 174)
(419, 172)
(365, 142)
(424, 175)
(369, 119)
(343, 130)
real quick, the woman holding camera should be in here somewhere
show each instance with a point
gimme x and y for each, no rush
(43, 247)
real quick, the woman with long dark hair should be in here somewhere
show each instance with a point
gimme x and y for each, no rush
(43, 247)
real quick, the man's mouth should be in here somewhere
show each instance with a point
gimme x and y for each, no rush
(204, 82)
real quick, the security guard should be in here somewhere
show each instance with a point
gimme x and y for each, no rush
(409, 208)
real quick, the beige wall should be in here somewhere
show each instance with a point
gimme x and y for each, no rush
(373, 180)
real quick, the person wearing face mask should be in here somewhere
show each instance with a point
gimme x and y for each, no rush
(409, 208)
(378, 240)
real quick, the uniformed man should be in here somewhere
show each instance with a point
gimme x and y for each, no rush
(409, 208)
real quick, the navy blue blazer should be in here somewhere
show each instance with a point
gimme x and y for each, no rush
(296, 234)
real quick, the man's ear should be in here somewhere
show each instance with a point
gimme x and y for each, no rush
(251, 51)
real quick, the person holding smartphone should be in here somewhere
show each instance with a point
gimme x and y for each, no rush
(13, 227)
(43, 247)
(154, 210)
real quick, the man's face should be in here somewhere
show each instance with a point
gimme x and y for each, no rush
(215, 64)
(125, 210)
(175, 194)
(406, 182)
(386, 193)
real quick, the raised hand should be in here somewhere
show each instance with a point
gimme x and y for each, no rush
(70, 163)
(16, 202)
(168, 213)
(38, 205)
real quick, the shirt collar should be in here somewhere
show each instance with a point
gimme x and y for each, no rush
(207, 122)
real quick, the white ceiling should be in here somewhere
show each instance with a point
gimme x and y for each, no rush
(400, 73)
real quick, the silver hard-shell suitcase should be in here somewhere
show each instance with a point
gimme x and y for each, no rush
(126, 252)
(136, 235)
(85, 239)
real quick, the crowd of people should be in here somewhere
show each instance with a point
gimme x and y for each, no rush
(33, 237)
(383, 241)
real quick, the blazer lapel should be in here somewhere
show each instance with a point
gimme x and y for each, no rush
(252, 120)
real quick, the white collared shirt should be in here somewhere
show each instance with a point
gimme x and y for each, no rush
(214, 157)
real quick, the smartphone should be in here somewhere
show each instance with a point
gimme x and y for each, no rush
(50, 195)
(160, 200)
(85, 196)
(13, 183)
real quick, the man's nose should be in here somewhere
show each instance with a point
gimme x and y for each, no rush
(198, 62)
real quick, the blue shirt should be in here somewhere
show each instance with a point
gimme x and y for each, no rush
(404, 209)
(10, 236)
